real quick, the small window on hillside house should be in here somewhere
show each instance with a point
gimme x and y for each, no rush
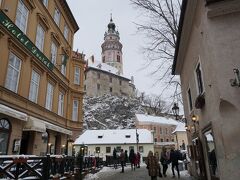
(100, 137)
(127, 136)
(108, 149)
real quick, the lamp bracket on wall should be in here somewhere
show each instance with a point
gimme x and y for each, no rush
(236, 81)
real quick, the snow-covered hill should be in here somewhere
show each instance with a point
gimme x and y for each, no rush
(110, 112)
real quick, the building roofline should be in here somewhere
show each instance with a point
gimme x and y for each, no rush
(70, 15)
(97, 69)
(180, 26)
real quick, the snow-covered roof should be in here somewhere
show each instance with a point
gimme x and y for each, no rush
(106, 68)
(155, 119)
(180, 127)
(119, 136)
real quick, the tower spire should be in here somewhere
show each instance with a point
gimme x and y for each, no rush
(111, 17)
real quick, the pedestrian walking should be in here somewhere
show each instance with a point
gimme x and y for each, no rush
(164, 160)
(174, 157)
(115, 158)
(152, 166)
(156, 154)
(122, 160)
(138, 159)
(126, 157)
(132, 159)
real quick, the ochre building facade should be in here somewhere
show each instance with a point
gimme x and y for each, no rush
(41, 81)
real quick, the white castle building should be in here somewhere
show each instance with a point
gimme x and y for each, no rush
(106, 76)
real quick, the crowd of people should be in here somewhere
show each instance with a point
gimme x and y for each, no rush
(133, 158)
(153, 163)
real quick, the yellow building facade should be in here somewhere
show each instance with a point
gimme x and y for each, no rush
(41, 80)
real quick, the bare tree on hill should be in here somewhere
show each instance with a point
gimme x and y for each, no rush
(160, 30)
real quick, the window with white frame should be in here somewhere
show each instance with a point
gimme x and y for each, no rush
(75, 110)
(199, 79)
(63, 65)
(77, 76)
(45, 2)
(49, 97)
(34, 86)
(189, 95)
(65, 31)
(60, 104)
(13, 73)
(22, 16)
(40, 37)
(56, 16)
(53, 53)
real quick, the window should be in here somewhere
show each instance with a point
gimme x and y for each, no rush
(120, 82)
(40, 37)
(56, 16)
(49, 97)
(22, 16)
(103, 59)
(75, 110)
(98, 75)
(110, 79)
(60, 104)
(97, 149)
(118, 58)
(34, 86)
(190, 105)
(100, 137)
(141, 150)
(127, 136)
(4, 135)
(13, 73)
(65, 31)
(85, 87)
(110, 89)
(161, 140)
(198, 73)
(155, 139)
(167, 140)
(77, 76)
(108, 149)
(172, 140)
(98, 86)
(45, 2)
(63, 65)
(53, 53)
(210, 148)
(160, 130)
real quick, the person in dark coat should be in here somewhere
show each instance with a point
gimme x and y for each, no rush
(174, 157)
(122, 160)
(164, 160)
(115, 158)
(138, 159)
(152, 166)
(126, 157)
(132, 159)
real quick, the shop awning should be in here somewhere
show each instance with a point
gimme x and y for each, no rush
(13, 113)
(34, 124)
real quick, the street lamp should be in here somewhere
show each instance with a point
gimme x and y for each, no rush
(175, 110)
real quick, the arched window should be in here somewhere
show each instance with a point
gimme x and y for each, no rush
(4, 135)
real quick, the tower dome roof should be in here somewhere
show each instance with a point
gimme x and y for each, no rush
(111, 25)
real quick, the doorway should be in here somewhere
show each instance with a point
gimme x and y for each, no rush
(25, 142)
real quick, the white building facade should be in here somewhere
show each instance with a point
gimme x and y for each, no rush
(102, 142)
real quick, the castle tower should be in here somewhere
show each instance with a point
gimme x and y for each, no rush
(112, 48)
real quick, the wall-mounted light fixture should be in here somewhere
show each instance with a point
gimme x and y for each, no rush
(236, 81)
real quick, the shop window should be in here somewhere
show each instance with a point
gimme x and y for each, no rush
(212, 160)
(4, 135)
(108, 149)
(141, 149)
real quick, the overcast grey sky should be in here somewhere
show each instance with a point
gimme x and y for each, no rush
(93, 17)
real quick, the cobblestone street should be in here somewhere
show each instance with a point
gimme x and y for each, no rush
(138, 174)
